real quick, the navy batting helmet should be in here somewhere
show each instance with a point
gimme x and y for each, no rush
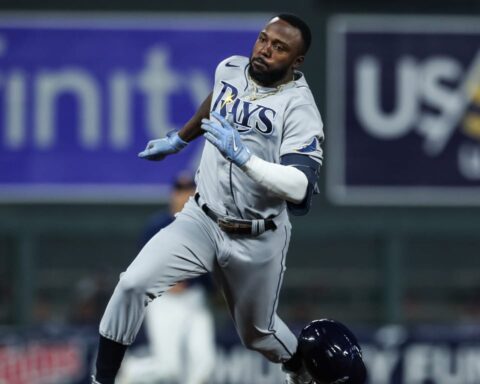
(331, 353)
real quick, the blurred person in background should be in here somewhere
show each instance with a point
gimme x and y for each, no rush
(91, 296)
(179, 325)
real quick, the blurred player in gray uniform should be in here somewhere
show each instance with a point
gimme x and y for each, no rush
(261, 158)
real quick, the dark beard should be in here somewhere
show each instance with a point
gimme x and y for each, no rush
(266, 78)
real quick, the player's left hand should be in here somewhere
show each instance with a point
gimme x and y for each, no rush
(226, 138)
(159, 148)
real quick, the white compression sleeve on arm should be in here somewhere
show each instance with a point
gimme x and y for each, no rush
(284, 181)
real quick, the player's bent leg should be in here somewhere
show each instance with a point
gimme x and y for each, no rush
(182, 250)
(278, 344)
(251, 279)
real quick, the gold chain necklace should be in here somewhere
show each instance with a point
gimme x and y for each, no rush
(256, 95)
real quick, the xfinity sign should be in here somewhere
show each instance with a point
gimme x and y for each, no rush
(80, 96)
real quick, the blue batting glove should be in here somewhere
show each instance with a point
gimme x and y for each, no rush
(227, 139)
(160, 148)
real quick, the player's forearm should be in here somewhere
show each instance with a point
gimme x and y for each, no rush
(284, 181)
(191, 130)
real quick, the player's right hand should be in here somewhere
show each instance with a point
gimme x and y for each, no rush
(159, 148)
(221, 133)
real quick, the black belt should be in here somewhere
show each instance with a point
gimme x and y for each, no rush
(238, 226)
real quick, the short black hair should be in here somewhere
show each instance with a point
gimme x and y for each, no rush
(301, 25)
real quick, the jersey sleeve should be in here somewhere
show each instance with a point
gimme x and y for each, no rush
(303, 132)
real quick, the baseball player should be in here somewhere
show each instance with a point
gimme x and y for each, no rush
(261, 158)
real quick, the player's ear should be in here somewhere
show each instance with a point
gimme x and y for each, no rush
(298, 62)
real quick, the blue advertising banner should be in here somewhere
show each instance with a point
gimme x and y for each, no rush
(81, 96)
(404, 110)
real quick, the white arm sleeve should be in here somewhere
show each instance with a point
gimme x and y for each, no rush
(284, 181)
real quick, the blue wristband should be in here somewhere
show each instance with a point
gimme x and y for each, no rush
(176, 140)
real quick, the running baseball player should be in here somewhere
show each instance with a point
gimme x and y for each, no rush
(261, 159)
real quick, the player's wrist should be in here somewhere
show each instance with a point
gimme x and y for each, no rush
(176, 141)
(250, 163)
(243, 156)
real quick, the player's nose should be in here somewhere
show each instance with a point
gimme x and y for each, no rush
(265, 50)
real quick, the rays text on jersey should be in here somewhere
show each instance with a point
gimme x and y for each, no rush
(245, 115)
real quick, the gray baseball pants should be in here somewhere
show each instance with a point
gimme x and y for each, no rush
(248, 269)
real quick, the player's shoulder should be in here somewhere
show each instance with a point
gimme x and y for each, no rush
(235, 61)
(300, 93)
(231, 66)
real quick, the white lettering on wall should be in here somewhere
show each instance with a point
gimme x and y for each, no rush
(368, 97)
(417, 365)
(436, 128)
(15, 107)
(104, 106)
(469, 161)
(120, 110)
(431, 97)
(157, 82)
(49, 86)
(381, 363)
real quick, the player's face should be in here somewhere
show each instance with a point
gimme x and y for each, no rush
(276, 53)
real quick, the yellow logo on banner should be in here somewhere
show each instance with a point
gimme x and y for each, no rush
(471, 122)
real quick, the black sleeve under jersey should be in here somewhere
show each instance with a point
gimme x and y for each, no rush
(310, 168)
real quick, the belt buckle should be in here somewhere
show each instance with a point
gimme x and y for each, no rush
(231, 225)
(225, 222)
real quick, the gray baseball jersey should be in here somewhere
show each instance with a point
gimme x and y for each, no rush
(273, 123)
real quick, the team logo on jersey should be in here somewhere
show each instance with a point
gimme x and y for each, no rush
(246, 115)
(310, 147)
